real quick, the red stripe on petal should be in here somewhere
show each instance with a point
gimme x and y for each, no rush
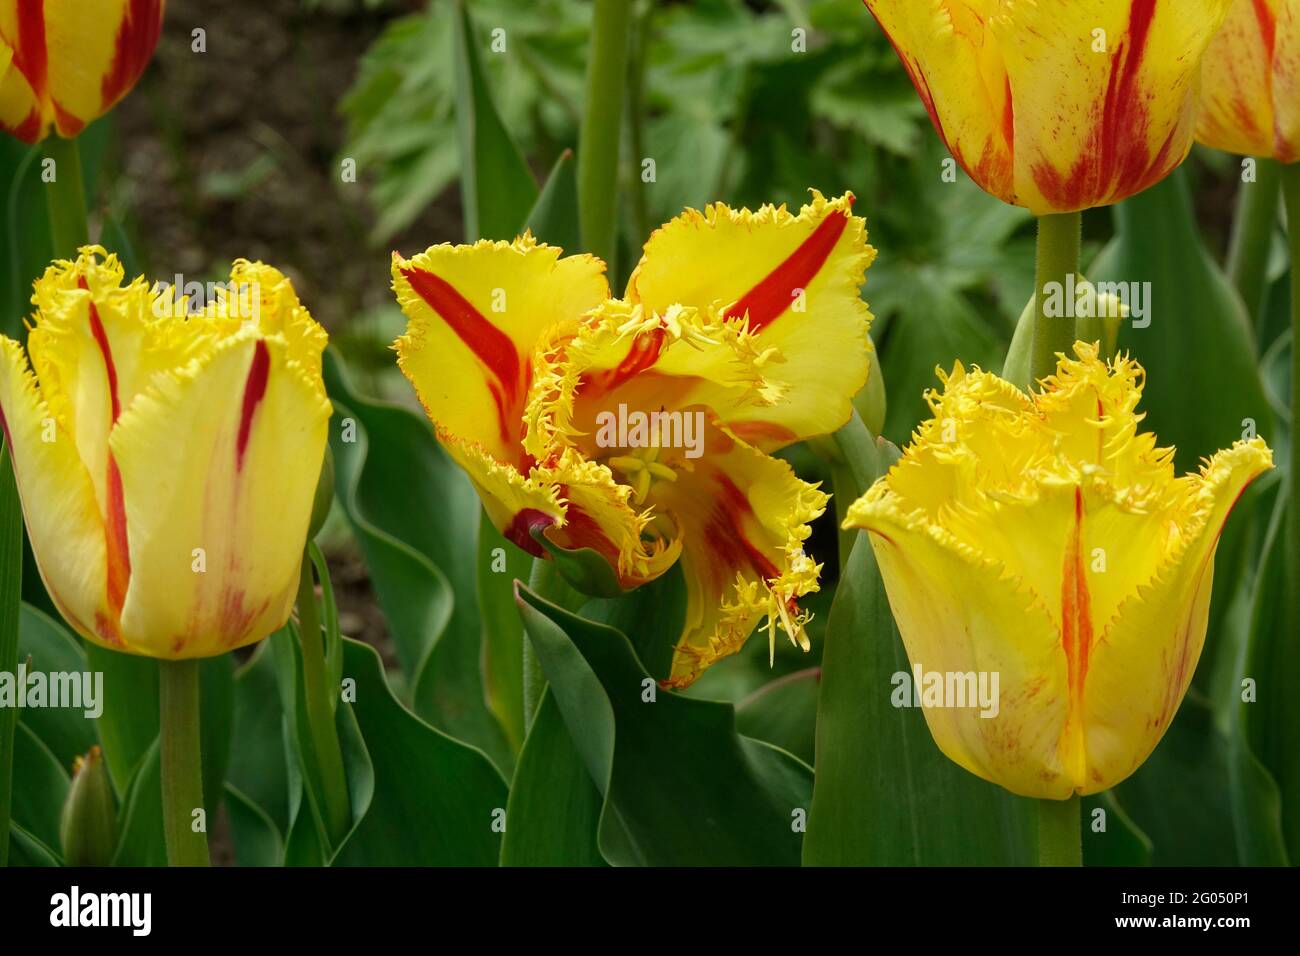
(775, 294)
(726, 533)
(645, 351)
(136, 39)
(115, 537)
(521, 528)
(254, 392)
(1267, 26)
(30, 54)
(101, 339)
(489, 344)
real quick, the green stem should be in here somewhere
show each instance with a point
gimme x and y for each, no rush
(1252, 235)
(546, 582)
(11, 583)
(320, 714)
(598, 139)
(181, 762)
(1059, 841)
(1059, 241)
(66, 198)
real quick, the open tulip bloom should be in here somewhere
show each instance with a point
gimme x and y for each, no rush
(64, 63)
(1043, 538)
(166, 462)
(642, 428)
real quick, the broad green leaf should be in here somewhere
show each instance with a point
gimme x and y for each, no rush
(553, 815)
(11, 586)
(1202, 380)
(255, 835)
(497, 189)
(435, 800)
(885, 795)
(40, 787)
(258, 769)
(554, 217)
(1110, 837)
(784, 713)
(66, 731)
(680, 785)
(416, 517)
(141, 841)
(27, 850)
(500, 563)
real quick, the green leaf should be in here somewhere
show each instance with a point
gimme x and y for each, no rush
(416, 517)
(257, 839)
(1199, 352)
(553, 816)
(27, 850)
(1121, 843)
(141, 841)
(885, 795)
(500, 564)
(680, 785)
(784, 713)
(435, 799)
(497, 188)
(11, 587)
(40, 787)
(258, 770)
(554, 217)
(1264, 770)
(66, 731)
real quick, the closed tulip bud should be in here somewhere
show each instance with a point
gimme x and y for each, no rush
(88, 829)
(1040, 539)
(166, 462)
(1250, 100)
(1057, 105)
(64, 63)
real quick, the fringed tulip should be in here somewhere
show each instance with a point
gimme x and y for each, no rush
(166, 462)
(1044, 539)
(642, 429)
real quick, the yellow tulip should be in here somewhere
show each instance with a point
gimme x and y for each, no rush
(1250, 100)
(1057, 105)
(166, 464)
(1041, 538)
(743, 331)
(64, 63)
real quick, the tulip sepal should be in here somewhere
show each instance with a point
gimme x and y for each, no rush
(182, 764)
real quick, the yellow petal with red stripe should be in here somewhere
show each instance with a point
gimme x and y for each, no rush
(63, 519)
(793, 282)
(1250, 100)
(1056, 541)
(1057, 106)
(76, 59)
(743, 517)
(219, 463)
(475, 315)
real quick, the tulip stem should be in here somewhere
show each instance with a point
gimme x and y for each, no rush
(1060, 237)
(320, 714)
(181, 763)
(66, 197)
(1252, 235)
(1059, 839)
(598, 139)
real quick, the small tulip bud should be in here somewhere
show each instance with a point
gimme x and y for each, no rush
(88, 830)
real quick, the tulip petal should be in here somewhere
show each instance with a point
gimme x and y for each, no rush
(794, 282)
(1143, 660)
(1286, 84)
(475, 315)
(1104, 94)
(20, 110)
(1237, 101)
(952, 605)
(63, 518)
(743, 518)
(218, 494)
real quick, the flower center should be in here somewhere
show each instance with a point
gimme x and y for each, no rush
(642, 470)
